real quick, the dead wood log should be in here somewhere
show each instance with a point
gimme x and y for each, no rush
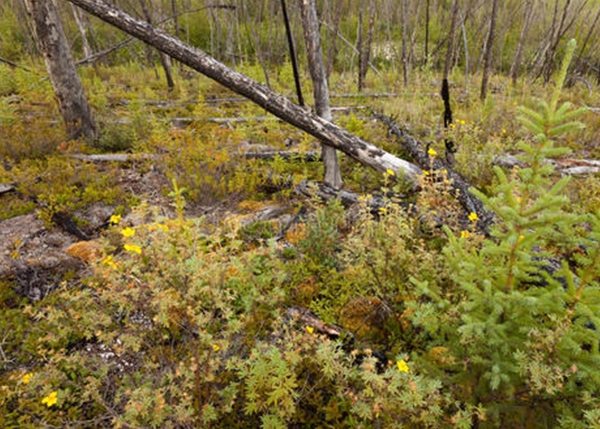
(272, 102)
(565, 167)
(114, 157)
(321, 190)
(416, 150)
(4, 189)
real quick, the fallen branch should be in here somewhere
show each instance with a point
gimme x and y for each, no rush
(114, 157)
(459, 185)
(101, 54)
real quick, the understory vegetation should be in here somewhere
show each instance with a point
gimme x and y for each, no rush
(187, 319)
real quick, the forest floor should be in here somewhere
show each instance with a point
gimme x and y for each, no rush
(195, 220)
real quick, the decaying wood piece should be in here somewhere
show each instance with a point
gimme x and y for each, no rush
(306, 318)
(325, 192)
(275, 103)
(459, 185)
(4, 189)
(566, 167)
(114, 157)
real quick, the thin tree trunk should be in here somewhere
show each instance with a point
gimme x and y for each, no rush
(405, 54)
(489, 51)
(290, 38)
(164, 59)
(335, 28)
(364, 45)
(52, 42)
(316, 66)
(268, 99)
(516, 64)
(450, 48)
(87, 50)
(426, 33)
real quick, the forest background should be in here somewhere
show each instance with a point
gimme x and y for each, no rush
(185, 268)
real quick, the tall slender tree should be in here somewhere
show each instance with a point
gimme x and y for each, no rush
(52, 42)
(316, 65)
(489, 50)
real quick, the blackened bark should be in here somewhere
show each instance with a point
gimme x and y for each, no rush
(268, 99)
(292, 49)
(67, 86)
(459, 185)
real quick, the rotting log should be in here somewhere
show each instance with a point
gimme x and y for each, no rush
(460, 186)
(325, 192)
(272, 102)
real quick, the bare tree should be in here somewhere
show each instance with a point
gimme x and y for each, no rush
(516, 64)
(489, 49)
(82, 27)
(52, 42)
(164, 59)
(316, 66)
(364, 43)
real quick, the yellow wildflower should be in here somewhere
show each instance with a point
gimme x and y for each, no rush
(402, 366)
(216, 347)
(128, 232)
(133, 248)
(310, 329)
(390, 172)
(114, 219)
(109, 261)
(431, 152)
(473, 217)
(465, 234)
(26, 378)
(51, 399)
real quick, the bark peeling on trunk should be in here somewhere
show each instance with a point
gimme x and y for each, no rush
(67, 86)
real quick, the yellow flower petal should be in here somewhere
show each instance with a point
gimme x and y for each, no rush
(431, 152)
(133, 248)
(128, 232)
(51, 399)
(465, 234)
(114, 219)
(390, 172)
(310, 329)
(402, 366)
(473, 217)
(216, 347)
(26, 378)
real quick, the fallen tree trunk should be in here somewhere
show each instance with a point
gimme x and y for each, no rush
(459, 185)
(260, 94)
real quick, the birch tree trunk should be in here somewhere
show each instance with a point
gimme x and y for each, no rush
(52, 42)
(272, 102)
(318, 74)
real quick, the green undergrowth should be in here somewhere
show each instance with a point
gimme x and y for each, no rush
(189, 322)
